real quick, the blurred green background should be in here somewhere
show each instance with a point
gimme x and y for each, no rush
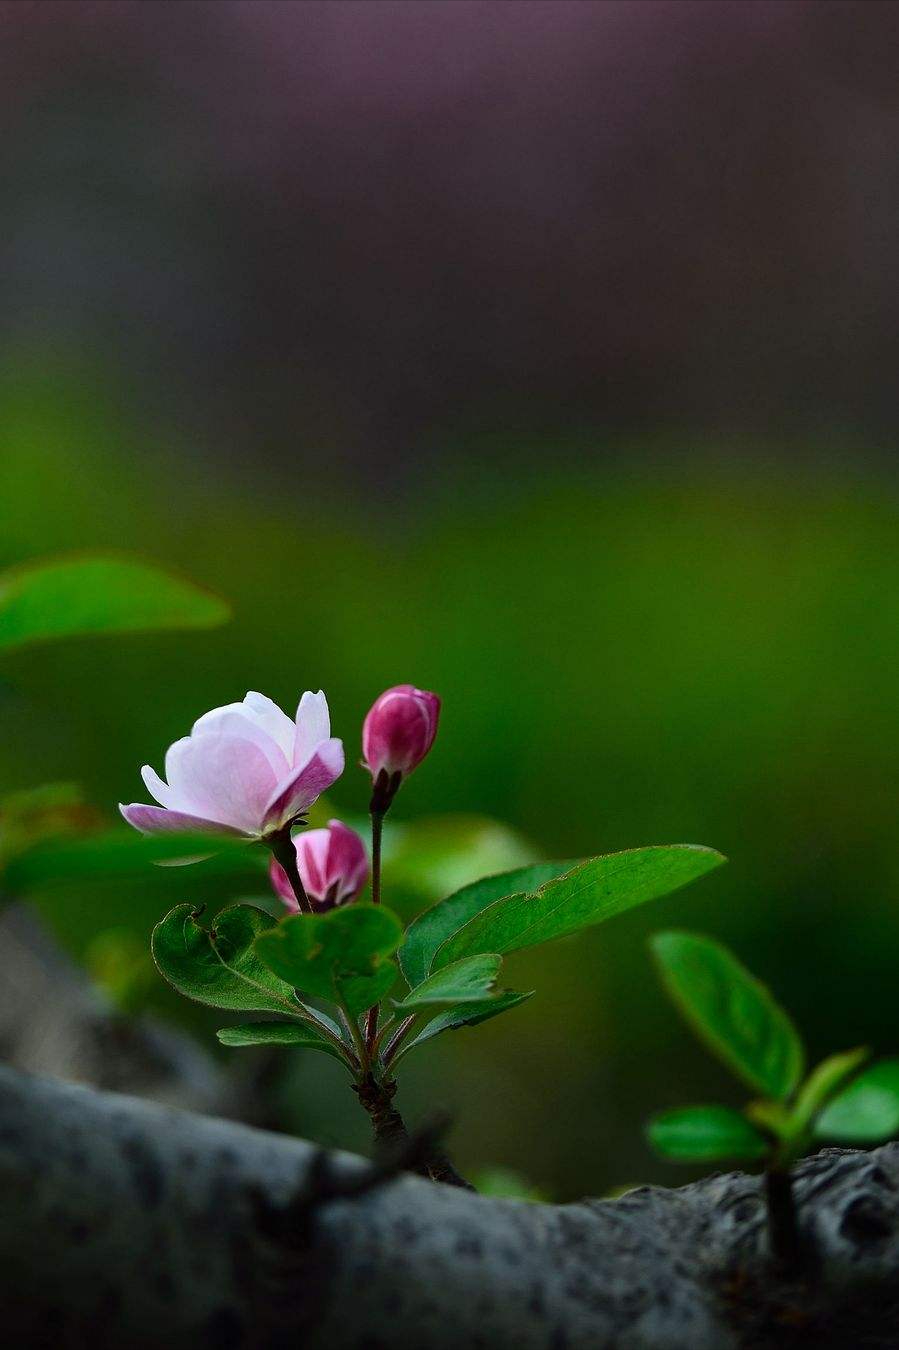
(650, 620)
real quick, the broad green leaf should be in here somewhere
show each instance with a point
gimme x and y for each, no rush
(342, 956)
(822, 1083)
(93, 594)
(219, 966)
(705, 1134)
(278, 1033)
(119, 853)
(465, 1015)
(590, 893)
(438, 923)
(470, 980)
(731, 1011)
(865, 1112)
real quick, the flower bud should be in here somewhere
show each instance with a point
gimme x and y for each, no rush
(397, 734)
(333, 867)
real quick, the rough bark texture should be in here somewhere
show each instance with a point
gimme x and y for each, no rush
(128, 1223)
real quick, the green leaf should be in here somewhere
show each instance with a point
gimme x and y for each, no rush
(118, 853)
(705, 1134)
(470, 980)
(465, 1015)
(590, 893)
(92, 594)
(438, 923)
(731, 1011)
(219, 966)
(821, 1085)
(278, 1033)
(342, 956)
(867, 1111)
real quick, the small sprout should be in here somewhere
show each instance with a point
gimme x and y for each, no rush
(741, 1022)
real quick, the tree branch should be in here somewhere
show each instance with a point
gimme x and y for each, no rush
(125, 1222)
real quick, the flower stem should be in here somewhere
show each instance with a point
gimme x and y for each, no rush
(284, 853)
(377, 826)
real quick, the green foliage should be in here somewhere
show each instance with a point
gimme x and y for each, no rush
(342, 956)
(278, 1033)
(119, 964)
(120, 853)
(866, 1111)
(464, 1015)
(428, 858)
(698, 1134)
(589, 894)
(95, 594)
(821, 1085)
(219, 966)
(442, 920)
(502, 1183)
(471, 980)
(731, 1011)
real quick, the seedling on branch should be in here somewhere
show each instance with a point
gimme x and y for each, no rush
(339, 973)
(740, 1022)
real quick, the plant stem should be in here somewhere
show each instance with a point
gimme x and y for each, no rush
(784, 1235)
(377, 826)
(284, 852)
(396, 1039)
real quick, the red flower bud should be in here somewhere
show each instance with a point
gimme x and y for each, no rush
(397, 734)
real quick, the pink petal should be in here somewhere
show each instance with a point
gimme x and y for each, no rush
(157, 820)
(227, 780)
(307, 783)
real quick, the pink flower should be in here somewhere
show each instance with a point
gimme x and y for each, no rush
(333, 867)
(245, 769)
(399, 731)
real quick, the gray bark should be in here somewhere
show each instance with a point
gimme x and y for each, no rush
(54, 1021)
(124, 1222)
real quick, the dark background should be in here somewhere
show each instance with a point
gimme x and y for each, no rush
(543, 354)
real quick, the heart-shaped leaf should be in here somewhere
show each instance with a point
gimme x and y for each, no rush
(219, 966)
(342, 956)
(438, 923)
(731, 1011)
(590, 893)
(470, 980)
(866, 1111)
(704, 1134)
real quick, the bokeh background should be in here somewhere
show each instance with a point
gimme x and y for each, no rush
(542, 354)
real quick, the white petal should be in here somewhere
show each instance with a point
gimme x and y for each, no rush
(156, 787)
(236, 721)
(312, 727)
(266, 713)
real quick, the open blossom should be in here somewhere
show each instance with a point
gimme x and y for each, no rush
(332, 864)
(399, 730)
(245, 769)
